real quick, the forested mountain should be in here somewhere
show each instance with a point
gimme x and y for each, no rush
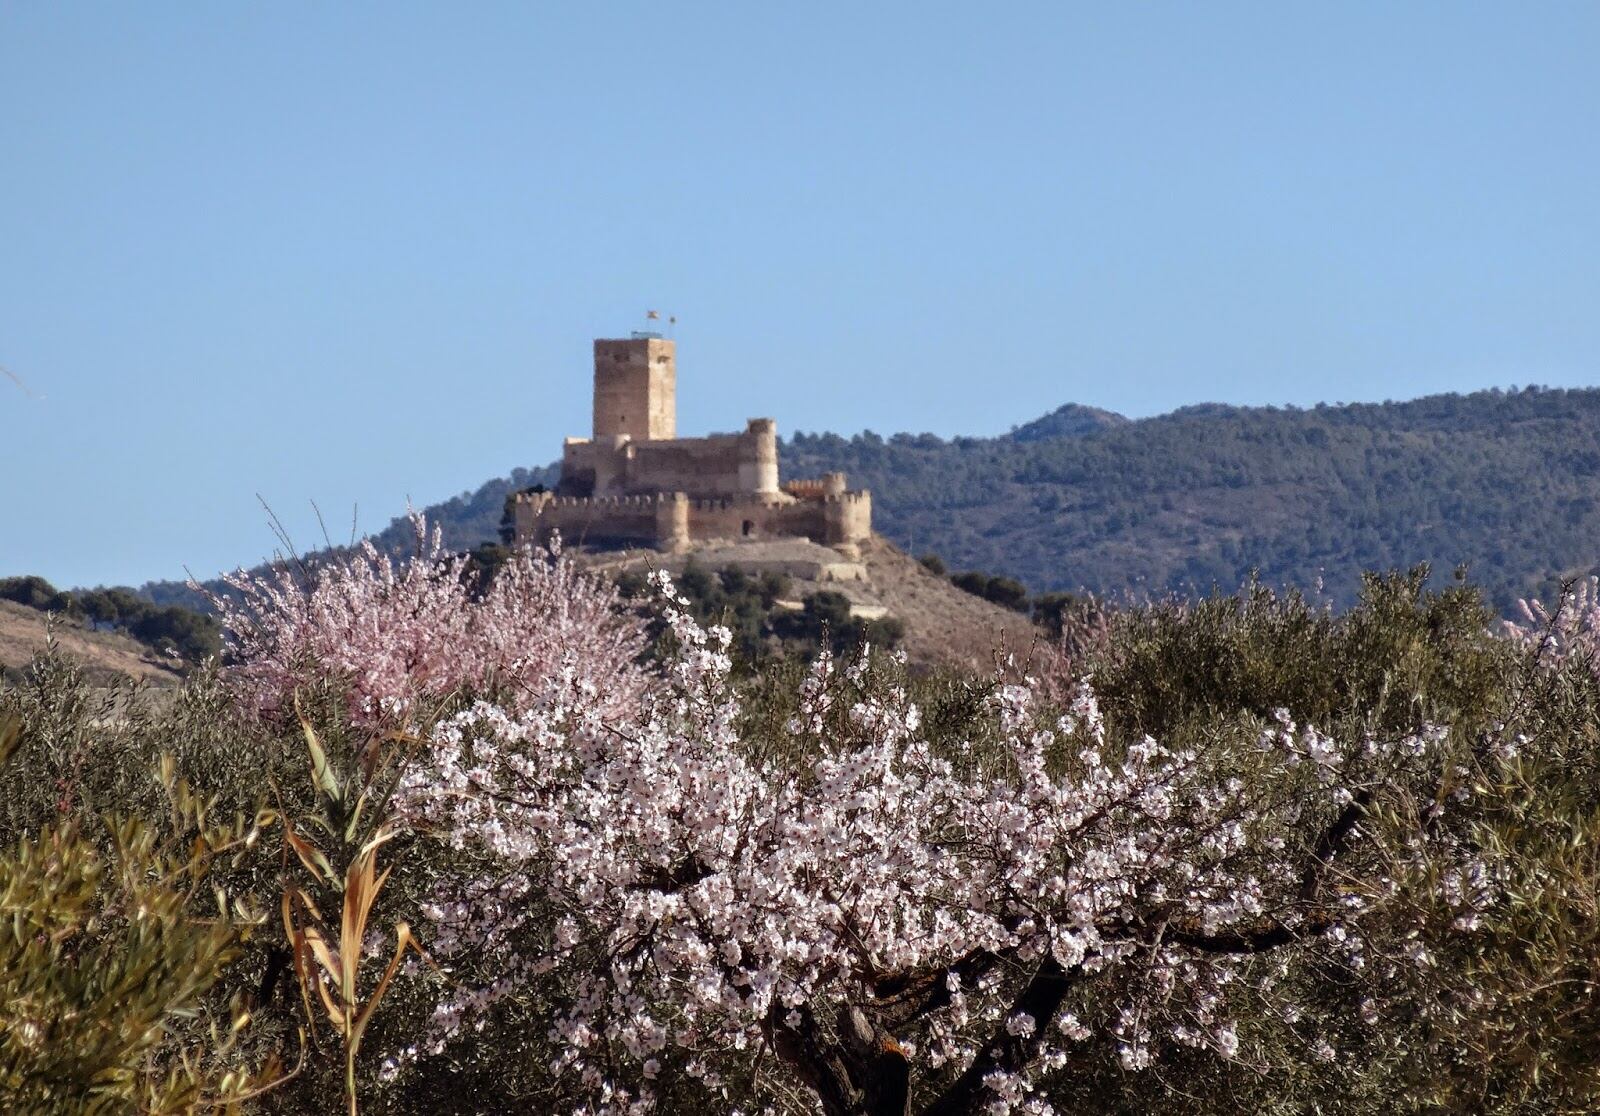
(1507, 483)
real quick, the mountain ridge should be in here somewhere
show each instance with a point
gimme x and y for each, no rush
(1507, 482)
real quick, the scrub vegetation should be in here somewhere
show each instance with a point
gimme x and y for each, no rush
(430, 841)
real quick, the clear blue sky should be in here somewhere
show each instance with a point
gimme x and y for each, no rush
(355, 253)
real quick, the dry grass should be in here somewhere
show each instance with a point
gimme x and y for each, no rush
(103, 654)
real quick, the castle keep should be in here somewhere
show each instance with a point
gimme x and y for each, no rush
(636, 483)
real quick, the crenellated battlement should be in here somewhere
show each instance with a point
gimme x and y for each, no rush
(551, 500)
(636, 482)
(752, 500)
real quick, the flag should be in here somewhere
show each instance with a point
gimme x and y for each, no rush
(653, 315)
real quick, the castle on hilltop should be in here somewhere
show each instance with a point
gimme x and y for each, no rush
(636, 483)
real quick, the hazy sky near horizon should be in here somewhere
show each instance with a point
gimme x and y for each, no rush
(354, 253)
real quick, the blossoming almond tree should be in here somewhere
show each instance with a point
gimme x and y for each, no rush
(889, 927)
(404, 635)
(401, 642)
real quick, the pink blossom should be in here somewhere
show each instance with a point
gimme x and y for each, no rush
(403, 637)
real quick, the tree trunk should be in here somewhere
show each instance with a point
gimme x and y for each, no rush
(865, 1073)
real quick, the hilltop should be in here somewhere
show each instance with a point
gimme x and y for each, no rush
(1070, 420)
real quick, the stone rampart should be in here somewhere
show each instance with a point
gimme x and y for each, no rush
(669, 521)
(612, 521)
(816, 488)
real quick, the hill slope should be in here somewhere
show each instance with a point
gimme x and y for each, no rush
(104, 654)
(1507, 482)
(944, 626)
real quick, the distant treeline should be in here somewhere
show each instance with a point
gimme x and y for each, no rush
(164, 628)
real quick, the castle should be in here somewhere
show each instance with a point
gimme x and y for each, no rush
(636, 483)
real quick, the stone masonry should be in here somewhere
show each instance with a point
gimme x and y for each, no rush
(636, 483)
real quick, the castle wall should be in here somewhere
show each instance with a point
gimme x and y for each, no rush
(751, 518)
(618, 521)
(833, 521)
(715, 465)
(671, 520)
(588, 467)
(817, 488)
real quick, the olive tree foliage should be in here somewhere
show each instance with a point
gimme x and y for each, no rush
(1487, 1010)
(109, 962)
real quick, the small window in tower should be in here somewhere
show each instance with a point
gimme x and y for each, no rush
(749, 527)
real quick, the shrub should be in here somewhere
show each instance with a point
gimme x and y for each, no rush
(1404, 654)
(826, 622)
(1004, 591)
(746, 604)
(106, 967)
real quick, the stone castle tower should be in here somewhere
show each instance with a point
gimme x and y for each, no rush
(635, 482)
(636, 389)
